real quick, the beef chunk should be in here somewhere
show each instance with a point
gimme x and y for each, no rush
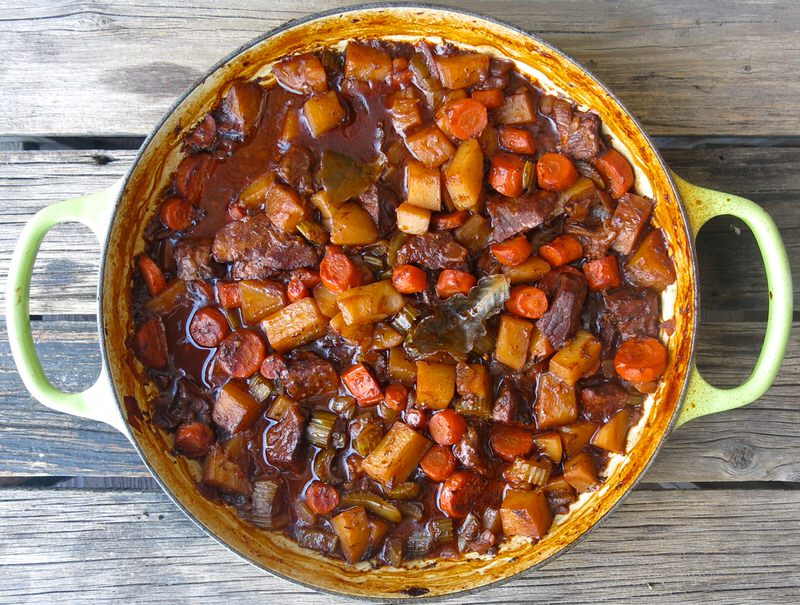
(241, 108)
(506, 404)
(562, 318)
(515, 215)
(259, 251)
(295, 169)
(631, 312)
(434, 251)
(203, 134)
(578, 131)
(595, 242)
(308, 375)
(486, 264)
(188, 405)
(600, 402)
(193, 260)
(284, 441)
(469, 452)
(381, 205)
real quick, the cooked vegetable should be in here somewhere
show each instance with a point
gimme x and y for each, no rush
(268, 504)
(579, 357)
(575, 436)
(616, 172)
(516, 109)
(385, 337)
(313, 232)
(176, 214)
(453, 281)
(208, 327)
(193, 439)
(396, 456)
(459, 493)
(474, 386)
(401, 368)
(555, 402)
(517, 140)
(337, 272)
(352, 528)
(430, 146)
(413, 219)
(408, 279)
(362, 385)
(405, 114)
(343, 405)
(406, 318)
(152, 275)
(423, 186)
(512, 252)
(550, 445)
(527, 301)
(374, 504)
(509, 442)
(530, 270)
(602, 274)
(561, 250)
(513, 337)
(466, 118)
(451, 220)
(301, 73)
(492, 98)
(525, 513)
(396, 397)
(228, 295)
(505, 174)
(321, 497)
(367, 436)
(534, 472)
(259, 387)
(235, 409)
(352, 226)
(285, 208)
(166, 300)
(555, 172)
(323, 113)
(296, 324)
(640, 359)
(580, 472)
(474, 233)
(447, 427)
(613, 434)
(540, 348)
(408, 490)
(442, 530)
(462, 70)
(240, 353)
(650, 265)
(438, 463)
(458, 321)
(259, 298)
(224, 467)
(320, 428)
(369, 304)
(344, 177)
(368, 63)
(436, 384)
(279, 406)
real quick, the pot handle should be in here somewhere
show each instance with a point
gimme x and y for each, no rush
(97, 402)
(701, 205)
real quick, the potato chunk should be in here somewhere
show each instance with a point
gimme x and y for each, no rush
(301, 73)
(323, 112)
(396, 455)
(436, 384)
(366, 63)
(525, 513)
(296, 324)
(579, 357)
(530, 270)
(650, 265)
(326, 300)
(353, 530)
(423, 186)
(462, 70)
(352, 226)
(555, 402)
(235, 409)
(401, 368)
(513, 338)
(463, 175)
(260, 298)
(575, 436)
(580, 473)
(285, 208)
(516, 109)
(613, 435)
(371, 303)
(413, 219)
(430, 146)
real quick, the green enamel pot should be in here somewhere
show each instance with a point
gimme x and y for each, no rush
(119, 214)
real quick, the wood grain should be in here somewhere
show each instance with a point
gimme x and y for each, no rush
(663, 546)
(683, 67)
(755, 443)
(732, 276)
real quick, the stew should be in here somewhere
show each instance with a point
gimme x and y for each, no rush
(399, 302)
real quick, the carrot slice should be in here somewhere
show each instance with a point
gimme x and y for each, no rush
(396, 397)
(492, 98)
(512, 252)
(602, 273)
(337, 272)
(555, 172)
(527, 301)
(240, 353)
(452, 281)
(228, 294)
(438, 463)
(451, 220)
(152, 275)
(447, 427)
(296, 290)
(321, 497)
(517, 140)
(308, 277)
(561, 250)
(208, 327)
(176, 213)
(466, 118)
(616, 172)
(640, 359)
(505, 174)
(408, 279)
(459, 493)
(273, 366)
(509, 442)
(361, 384)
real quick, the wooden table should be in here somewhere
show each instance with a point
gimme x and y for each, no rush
(717, 519)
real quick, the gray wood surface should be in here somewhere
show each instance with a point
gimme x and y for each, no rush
(723, 546)
(755, 443)
(732, 276)
(682, 67)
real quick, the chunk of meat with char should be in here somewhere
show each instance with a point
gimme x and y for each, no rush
(284, 441)
(258, 251)
(563, 316)
(295, 168)
(514, 215)
(193, 260)
(434, 251)
(381, 205)
(600, 402)
(308, 375)
(631, 313)
(469, 452)
(578, 131)
(188, 405)
(506, 404)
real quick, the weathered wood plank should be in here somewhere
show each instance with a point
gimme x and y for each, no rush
(756, 443)
(732, 277)
(682, 67)
(136, 547)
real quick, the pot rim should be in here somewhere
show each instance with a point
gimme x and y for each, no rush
(364, 7)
